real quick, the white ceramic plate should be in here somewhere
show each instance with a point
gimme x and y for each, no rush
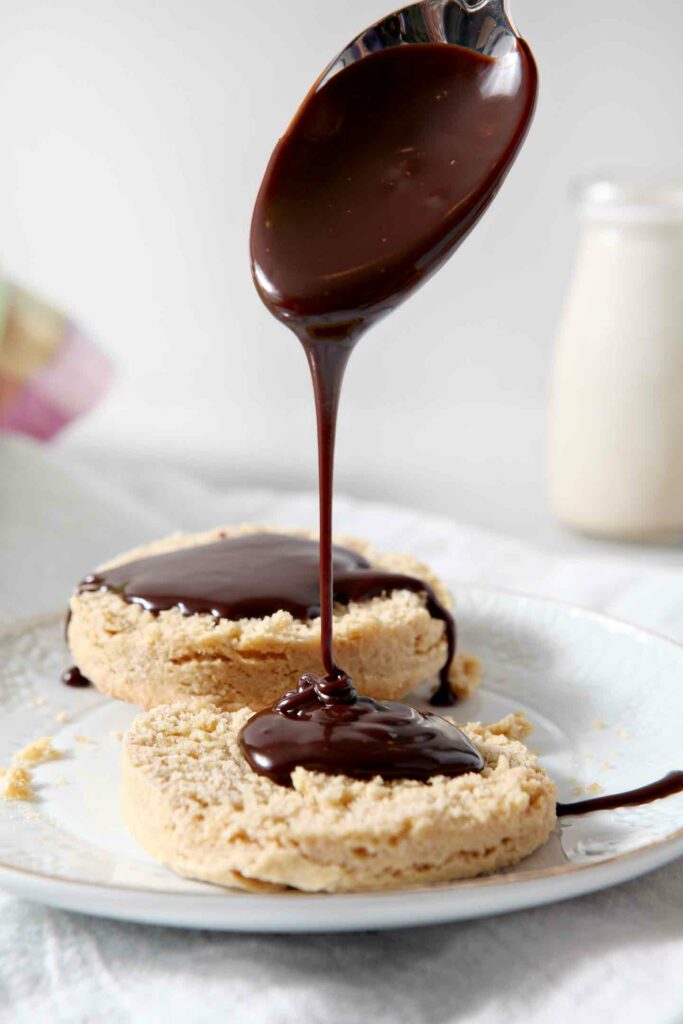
(606, 700)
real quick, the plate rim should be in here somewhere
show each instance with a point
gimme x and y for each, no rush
(663, 850)
(244, 914)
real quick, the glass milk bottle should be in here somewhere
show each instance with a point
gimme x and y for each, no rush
(616, 418)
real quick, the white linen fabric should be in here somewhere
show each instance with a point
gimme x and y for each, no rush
(616, 955)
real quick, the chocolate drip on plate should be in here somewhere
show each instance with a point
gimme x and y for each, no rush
(668, 785)
(74, 677)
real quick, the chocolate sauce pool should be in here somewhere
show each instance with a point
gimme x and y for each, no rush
(239, 577)
(324, 726)
(384, 170)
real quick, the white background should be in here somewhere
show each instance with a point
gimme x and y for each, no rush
(134, 135)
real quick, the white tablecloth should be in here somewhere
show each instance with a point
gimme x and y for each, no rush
(616, 956)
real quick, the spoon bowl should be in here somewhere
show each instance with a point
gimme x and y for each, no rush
(393, 157)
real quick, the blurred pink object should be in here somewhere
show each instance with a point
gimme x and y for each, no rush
(50, 373)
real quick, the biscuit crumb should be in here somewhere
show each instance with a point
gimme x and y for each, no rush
(599, 724)
(606, 766)
(578, 791)
(85, 739)
(37, 701)
(37, 752)
(116, 734)
(61, 717)
(624, 734)
(515, 726)
(61, 781)
(16, 784)
(595, 788)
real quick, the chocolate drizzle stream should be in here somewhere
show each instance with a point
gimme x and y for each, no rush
(669, 785)
(382, 173)
(327, 360)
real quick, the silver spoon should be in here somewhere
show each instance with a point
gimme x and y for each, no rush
(484, 26)
(300, 275)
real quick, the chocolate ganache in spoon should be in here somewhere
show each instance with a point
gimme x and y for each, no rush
(390, 161)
